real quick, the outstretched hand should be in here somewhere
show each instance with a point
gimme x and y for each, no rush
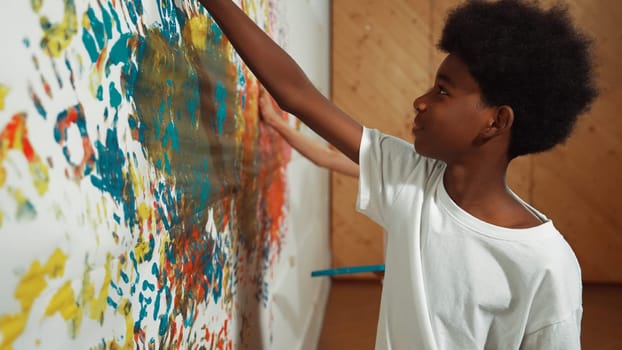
(269, 112)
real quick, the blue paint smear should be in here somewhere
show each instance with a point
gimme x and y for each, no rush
(144, 303)
(89, 45)
(189, 318)
(201, 186)
(110, 175)
(112, 303)
(115, 16)
(139, 127)
(242, 82)
(193, 100)
(167, 164)
(120, 51)
(164, 321)
(164, 219)
(39, 107)
(216, 32)
(171, 134)
(154, 270)
(221, 112)
(135, 12)
(163, 325)
(107, 21)
(109, 166)
(169, 25)
(180, 14)
(164, 195)
(124, 277)
(57, 133)
(214, 269)
(97, 26)
(135, 266)
(115, 96)
(148, 286)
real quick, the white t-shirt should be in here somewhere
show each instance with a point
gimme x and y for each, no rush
(453, 281)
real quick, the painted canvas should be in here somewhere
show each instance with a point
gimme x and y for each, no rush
(142, 205)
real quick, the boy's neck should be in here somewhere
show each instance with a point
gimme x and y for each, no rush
(480, 188)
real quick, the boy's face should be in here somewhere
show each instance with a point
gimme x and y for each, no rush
(450, 117)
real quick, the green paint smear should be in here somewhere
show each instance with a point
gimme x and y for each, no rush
(175, 107)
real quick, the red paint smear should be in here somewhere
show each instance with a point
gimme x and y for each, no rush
(222, 343)
(15, 131)
(277, 154)
(46, 87)
(73, 113)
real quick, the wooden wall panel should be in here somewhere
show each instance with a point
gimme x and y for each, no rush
(381, 60)
(578, 184)
(384, 55)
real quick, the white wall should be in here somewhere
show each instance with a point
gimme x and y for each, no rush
(299, 300)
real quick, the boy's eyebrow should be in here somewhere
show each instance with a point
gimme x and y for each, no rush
(445, 78)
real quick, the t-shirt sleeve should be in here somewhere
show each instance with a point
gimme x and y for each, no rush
(564, 335)
(386, 164)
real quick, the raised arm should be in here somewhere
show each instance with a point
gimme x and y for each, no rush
(317, 153)
(284, 79)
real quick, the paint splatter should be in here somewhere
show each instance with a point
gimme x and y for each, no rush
(14, 136)
(4, 90)
(57, 37)
(74, 117)
(31, 285)
(175, 169)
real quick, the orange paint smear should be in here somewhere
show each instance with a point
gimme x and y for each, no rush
(15, 136)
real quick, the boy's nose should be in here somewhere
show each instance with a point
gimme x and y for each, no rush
(419, 105)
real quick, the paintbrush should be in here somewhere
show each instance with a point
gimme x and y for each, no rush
(348, 270)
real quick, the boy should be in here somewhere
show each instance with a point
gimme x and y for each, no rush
(469, 265)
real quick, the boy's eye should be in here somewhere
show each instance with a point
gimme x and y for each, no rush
(442, 91)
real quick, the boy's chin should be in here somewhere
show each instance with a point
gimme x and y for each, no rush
(423, 151)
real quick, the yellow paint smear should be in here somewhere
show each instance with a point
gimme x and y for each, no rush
(98, 305)
(32, 284)
(55, 266)
(125, 309)
(29, 288)
(72, 309)
(195, 32)
(11, 327)
(36, 5)
(56, 38)
(141, 250)
(144, 211)
(63, 302)
(137, 180)
(4, 90)
(40, 175)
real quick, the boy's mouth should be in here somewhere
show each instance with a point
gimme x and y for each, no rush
(416, 127)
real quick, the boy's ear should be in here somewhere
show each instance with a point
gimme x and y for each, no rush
(500, 123)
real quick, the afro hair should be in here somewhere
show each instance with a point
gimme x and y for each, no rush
(528, 58)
